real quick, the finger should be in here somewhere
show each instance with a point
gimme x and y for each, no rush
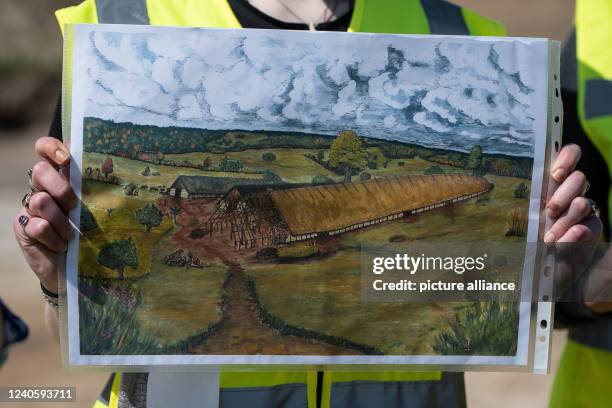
(572, 187)
(42, 205)
(42, 260)
(42, 231)
(587, 231)
(52, 150)
(578, 210)
(46, 178)
(566, 162)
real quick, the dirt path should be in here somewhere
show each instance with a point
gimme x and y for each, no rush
(241, 331)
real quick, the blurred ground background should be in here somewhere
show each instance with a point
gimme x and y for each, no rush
(30, 63)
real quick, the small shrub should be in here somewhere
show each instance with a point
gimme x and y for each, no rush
(230, 165)
(111, 328)
(268, 157)
(397, 238)
(521, 191)
(487, 328)
(146, 171)
(198, 233)
(266, 254)
(271, 177)
(298, 250)
(516, 223)
(435, 169)
(321, 155)
(130, 189)
(365, 176)
(482, 201)
(320, 179)
(401, 163)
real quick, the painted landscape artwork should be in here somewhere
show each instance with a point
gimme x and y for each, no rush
(228, 179)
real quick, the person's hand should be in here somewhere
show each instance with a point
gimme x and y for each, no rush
(572, 214)
(574, 222)
(42, 229)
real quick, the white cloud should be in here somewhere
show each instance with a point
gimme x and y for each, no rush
(223, 80)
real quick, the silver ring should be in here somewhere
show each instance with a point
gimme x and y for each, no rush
(587, 186)
(25, 201)
(594, 208)
(33, 188)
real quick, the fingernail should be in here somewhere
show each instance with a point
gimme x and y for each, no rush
(549, 238)
(61, 155)
(559, 174)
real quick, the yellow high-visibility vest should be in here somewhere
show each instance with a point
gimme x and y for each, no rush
(594, 54)
(586, 365)
(339, 389)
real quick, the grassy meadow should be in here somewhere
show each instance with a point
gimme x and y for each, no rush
(325, 294)
(318, 292)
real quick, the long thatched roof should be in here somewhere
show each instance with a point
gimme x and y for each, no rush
(204, 185)
(336, 206)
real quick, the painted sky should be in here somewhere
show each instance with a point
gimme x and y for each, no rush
(439, 92)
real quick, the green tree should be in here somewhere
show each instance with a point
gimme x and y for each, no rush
(365, 176)
(150, 216)
(146, 171)
(268, 157)
(521, 191)
(321, 155)
(434, 170)
(231, 165)
(348, 153)
(175, 211)
(321, 179)
(88, 222)
(118, 254)
(474, 160)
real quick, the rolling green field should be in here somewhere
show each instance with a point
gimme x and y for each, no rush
(129, 170)
(291, 165)
(118, 224)
(176, 303)
(322, 294)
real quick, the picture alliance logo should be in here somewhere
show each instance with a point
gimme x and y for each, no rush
(414, 264)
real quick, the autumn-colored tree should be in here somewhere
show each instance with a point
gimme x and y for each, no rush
(348, 153)
(160, 156)
(107, 167)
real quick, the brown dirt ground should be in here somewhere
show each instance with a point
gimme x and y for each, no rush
(241, 329)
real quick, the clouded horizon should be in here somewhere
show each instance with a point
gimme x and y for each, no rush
(438, 92)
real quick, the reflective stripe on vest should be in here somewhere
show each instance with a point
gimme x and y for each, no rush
(285, 390)
(122, 11)
(594, 54)
(415, 390)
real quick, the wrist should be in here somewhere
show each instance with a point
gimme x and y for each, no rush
(52, 298)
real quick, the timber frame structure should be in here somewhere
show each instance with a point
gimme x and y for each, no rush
(277, 214)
